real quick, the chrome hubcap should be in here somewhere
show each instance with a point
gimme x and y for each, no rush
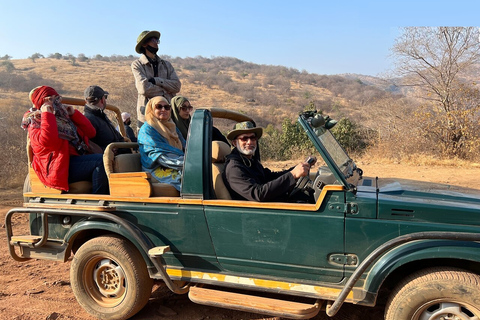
(447, 311)
(109, 278)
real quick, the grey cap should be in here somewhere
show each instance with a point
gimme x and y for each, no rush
(94, 93)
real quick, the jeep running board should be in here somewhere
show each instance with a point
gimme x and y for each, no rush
(251, 303)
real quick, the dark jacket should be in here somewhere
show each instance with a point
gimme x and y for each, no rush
(247, 179)
(106, 132)
(130, 133)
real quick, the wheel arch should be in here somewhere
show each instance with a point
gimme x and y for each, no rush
(410, 257)
(85, 230)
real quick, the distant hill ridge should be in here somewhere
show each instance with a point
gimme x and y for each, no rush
(268, 92)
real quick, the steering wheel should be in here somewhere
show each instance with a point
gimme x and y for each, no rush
(303, 184)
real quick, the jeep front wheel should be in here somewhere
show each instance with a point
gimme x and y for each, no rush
(109, 278)
(436, 293)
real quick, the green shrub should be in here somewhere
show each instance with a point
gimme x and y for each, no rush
(291, 143)
(349, 135)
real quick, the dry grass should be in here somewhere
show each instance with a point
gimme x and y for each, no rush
(76, 78)
(116, 77)
(375, 159)
(418, 160)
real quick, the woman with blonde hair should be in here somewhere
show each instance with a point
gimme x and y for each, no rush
(161, 144)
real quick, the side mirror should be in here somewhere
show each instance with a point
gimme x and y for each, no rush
(320, 121)
(330, 123)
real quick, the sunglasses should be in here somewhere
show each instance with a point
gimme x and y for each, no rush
(160, 107)
(186, 109)
(245, 139)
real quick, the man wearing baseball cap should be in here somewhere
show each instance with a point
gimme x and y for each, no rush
(96, 101)
(246, 178)
(153, 75)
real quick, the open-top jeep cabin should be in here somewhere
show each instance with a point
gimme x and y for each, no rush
(414, 245)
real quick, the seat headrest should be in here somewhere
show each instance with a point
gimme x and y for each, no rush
(220, 150)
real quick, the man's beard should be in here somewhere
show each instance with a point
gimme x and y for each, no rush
(246, 151)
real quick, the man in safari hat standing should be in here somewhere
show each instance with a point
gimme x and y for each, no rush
(153, 75)
(246, 178)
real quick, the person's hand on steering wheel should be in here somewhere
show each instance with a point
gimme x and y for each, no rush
(301, 174)
(300, 170)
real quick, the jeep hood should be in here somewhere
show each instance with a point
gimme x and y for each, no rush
(403, 199)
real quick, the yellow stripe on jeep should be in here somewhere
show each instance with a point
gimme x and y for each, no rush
(319, 291)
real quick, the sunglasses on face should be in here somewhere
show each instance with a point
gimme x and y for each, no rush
(160, 107)
(245, 139)
(154, 40)
(186, 109)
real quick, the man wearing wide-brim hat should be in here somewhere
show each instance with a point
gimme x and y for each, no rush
(246, 178)
(153, 75)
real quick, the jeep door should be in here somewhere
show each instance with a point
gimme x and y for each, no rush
(279, 239)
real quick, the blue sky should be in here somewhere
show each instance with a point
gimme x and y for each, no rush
(320, 36)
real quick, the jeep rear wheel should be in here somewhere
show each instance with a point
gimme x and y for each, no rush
(436, 293)
(109, 278)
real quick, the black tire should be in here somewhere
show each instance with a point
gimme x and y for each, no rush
(436, 293)
(109, 278)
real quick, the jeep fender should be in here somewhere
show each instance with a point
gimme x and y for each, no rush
(419, 251)
(90, 226)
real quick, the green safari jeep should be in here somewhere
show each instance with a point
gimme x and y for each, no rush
(411, 245)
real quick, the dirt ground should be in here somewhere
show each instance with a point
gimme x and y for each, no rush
(36, 290)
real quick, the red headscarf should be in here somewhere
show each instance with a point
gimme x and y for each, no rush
(39, 94)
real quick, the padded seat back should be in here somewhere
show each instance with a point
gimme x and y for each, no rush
(126, 178)
(129, 162)
(220, 150)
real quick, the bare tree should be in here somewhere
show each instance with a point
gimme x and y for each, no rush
(435, 61)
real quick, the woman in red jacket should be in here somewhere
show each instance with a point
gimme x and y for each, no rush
(59, 137)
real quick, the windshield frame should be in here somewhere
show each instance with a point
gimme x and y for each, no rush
(338, 161)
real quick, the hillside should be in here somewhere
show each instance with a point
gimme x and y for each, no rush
(268, 93)
(273, 92)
